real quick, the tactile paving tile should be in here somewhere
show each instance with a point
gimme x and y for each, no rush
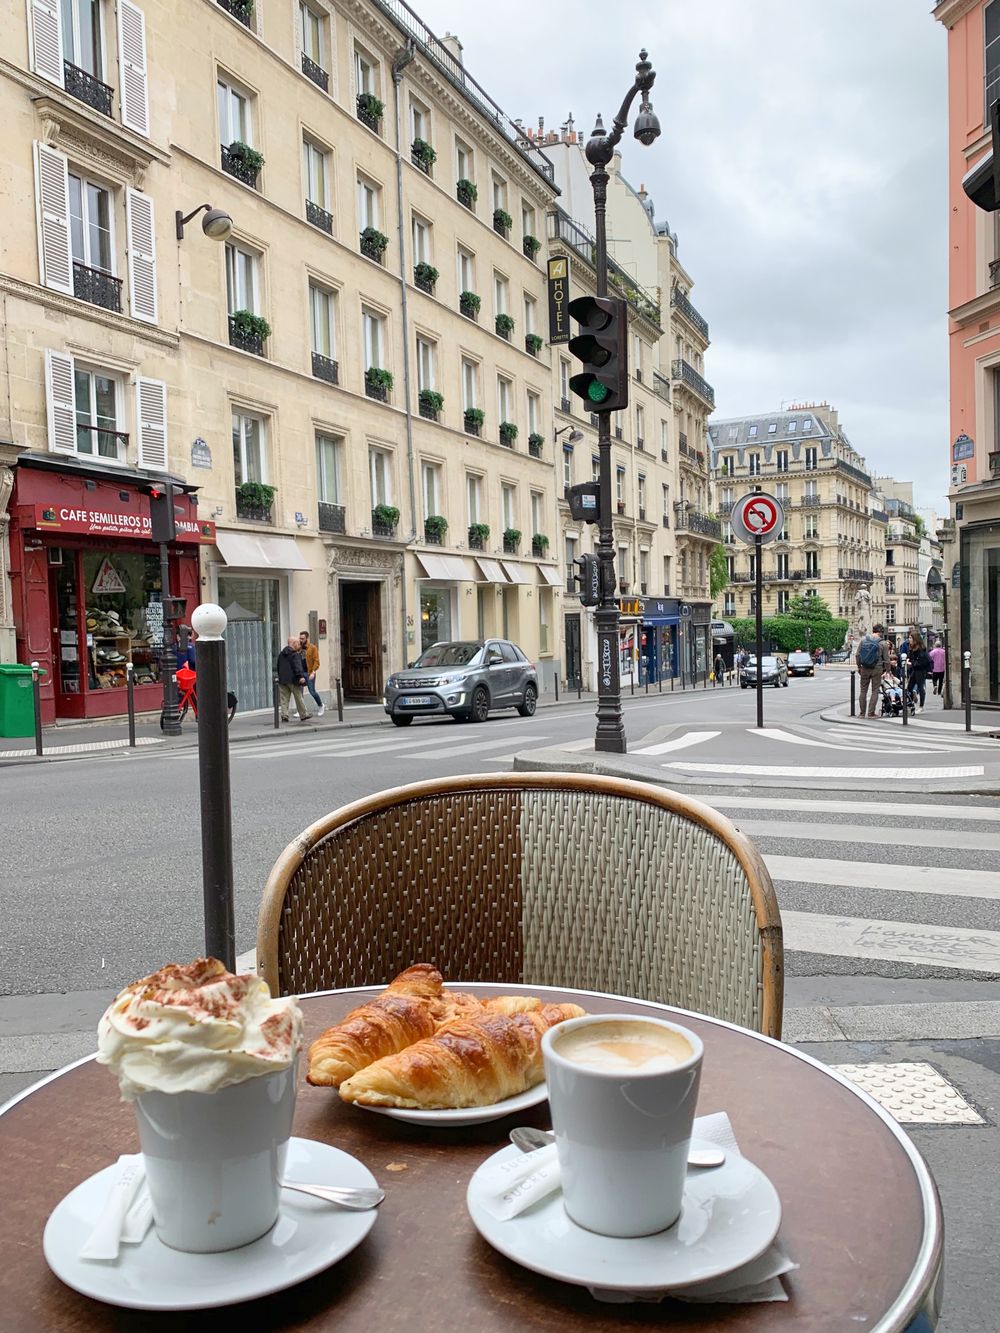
(915, 1094)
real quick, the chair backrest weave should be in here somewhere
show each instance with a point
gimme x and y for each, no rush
(558, 879)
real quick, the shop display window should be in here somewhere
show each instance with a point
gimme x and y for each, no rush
(123, 618)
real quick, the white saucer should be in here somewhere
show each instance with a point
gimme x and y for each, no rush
(730, 1215)
(464, 1115)
(308, 1236)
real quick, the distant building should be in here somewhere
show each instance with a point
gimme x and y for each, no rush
(902, 555)
(833, 541)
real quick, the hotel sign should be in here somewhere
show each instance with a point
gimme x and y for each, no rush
(558, 283)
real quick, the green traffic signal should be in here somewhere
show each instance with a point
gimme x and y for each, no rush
(596, 391)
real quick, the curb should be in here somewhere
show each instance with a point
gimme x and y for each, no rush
(943, 728)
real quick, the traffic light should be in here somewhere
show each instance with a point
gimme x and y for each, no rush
(161, 512)
(589, 579)
(602, 346)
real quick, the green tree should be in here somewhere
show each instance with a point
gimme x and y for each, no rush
(919, 526)
(808, 608)
(718, 571)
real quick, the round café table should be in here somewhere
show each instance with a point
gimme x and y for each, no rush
(860, 1214)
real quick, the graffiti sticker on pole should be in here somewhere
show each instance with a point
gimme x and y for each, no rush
(757, 515)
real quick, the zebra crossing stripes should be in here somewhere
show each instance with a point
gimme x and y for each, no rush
(833, 775)
(678, 742)
(429, 742)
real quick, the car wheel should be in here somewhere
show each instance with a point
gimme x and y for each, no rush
(480, 704)
(398, 721)
(527, 709)
(742, 685)
(777, 683)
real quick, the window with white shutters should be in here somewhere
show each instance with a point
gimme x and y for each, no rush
(45, 39)
(132, 56)
(60, 402)
(52, 197)
(141, 230)
(151, 416)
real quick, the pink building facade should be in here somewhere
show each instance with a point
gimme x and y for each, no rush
(972, 548)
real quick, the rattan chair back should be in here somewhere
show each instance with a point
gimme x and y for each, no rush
(558, 879)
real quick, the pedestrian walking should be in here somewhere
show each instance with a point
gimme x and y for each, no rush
(872, 660)
(291, 678)
(310, 655)
(719, 669)
(937, 667)
(920, 664)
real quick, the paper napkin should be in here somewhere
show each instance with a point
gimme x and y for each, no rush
(518, 1182)
(126, 1215)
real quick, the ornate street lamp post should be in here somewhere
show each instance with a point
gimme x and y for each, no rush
(600, 148)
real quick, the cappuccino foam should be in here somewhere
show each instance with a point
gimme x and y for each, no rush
(624, 1046)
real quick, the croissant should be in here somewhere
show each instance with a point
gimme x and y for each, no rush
(471, 1061)
(409, 1009)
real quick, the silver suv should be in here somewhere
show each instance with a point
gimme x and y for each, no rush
(466, 678)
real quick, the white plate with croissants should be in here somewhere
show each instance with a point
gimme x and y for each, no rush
(422, 1053)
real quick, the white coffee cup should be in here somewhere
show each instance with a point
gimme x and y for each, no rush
(214, 1160)
(622, 1121)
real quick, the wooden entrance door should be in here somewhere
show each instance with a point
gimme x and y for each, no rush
(574, 664)
(361, 639)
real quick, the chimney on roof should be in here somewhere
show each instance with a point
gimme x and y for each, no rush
(451, 43)
(541, 127)
(642, 193)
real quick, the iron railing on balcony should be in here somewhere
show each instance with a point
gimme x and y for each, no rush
(103, 443)
(408, 22)
(371, 248)
(380, 392)
(87, 89)
(332, 518)
(255, 513)
(477, 542)
(688, 376)
(510, 545)
(325, 368)
(467, 308)
(810, 501)
(538, 549)
(421, 280)
(364, 113)
(235, 165)
(995, 272)
(681, 301)
(427, 410)
(534, 448)
(563, 228)
(419, 160)
(690, 520)
(381, 527)
(240, 9)
(993, 460)
(97, 287)
(315, 72)
(661, 386)
(319, 217)
(244, 339)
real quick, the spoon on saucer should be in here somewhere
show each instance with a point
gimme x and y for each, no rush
(357, 1200)
(528, 1139)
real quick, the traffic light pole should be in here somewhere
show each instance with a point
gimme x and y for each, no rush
(610, 734)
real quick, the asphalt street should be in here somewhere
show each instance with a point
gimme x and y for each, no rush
(888, 892)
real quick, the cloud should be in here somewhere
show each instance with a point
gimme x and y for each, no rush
(803, 166)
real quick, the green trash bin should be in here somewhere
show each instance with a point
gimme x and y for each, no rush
(17, 704)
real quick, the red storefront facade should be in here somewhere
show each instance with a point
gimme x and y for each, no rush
(85, 576)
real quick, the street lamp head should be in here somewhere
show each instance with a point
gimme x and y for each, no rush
(217, 224)
(647, 125)
(596, 149)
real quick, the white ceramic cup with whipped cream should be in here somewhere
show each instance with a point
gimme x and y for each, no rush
(210, 1061)
(622, 1092)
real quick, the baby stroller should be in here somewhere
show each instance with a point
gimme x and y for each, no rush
(892, 699)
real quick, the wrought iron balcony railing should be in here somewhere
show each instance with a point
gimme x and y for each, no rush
(315, 72)
(240, 9)
(372, 249)
(332, 518)
(690, 520)
(319, 217)
(236, 166)
(256, 513)
(680, 301)
(661, 386)
(87, 89)
(534, 448)
(97, 287)
(364, 113)
(244, 339)
(689, 377)
(422, 281)
(325, 368)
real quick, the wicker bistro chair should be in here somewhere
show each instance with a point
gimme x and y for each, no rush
(556, 879)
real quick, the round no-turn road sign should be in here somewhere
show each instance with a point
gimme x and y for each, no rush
(757, 515)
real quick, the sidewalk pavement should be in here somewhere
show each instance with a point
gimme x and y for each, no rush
(985, 721)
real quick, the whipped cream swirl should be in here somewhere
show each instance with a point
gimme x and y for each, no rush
(197, 1028)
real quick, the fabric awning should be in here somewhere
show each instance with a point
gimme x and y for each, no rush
(549, 575)
(247, 550)
(446, 568)
(492, 572)
(517, 573)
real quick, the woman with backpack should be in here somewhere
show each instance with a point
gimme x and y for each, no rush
(919, 662)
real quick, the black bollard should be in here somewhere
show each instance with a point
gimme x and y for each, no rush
(36, 698)
(209, 622)
(966, 688)
(340, 701)
(853, 694)
(902, 677)
(579, 684)
(130, 702)
(556, 678)
(274, 700)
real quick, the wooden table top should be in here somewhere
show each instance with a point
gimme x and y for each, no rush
(859, 1214)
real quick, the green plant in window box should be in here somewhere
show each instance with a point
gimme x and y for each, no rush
(540, 541)
(502, 220)
(373, 239)
(505, 325)
(423, 152)
(246, 323)
(467, 192)
(370, 105)
(247, 157)
(533, 342)
(531, 246)
(424, 272)
(469, 301)
(377, 378)
(511, 536)
(431, 399)
(474, 416)
(535, 441)
(386, 516)
(435, 525)
(479, 532)
(256, 494)
(508, 432)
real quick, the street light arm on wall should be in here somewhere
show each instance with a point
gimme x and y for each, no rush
(216, 224)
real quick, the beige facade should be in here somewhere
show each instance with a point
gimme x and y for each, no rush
(118, 329)
(833, 539)
(903, 589)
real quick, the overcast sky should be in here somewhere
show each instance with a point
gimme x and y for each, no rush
(802, 165)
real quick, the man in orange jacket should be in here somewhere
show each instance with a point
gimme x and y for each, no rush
(310, 655)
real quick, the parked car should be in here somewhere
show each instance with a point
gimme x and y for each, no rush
(465, 678)
(772, 669)
(800, 663)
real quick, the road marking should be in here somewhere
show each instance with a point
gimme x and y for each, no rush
(791, 771)
(474, 747)
(889, 878)
(899, 941)
(678, 743)
(871, 806)
(881, 836)
(91, 747)
(789, 737)
(391, 741)
(942, 743)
